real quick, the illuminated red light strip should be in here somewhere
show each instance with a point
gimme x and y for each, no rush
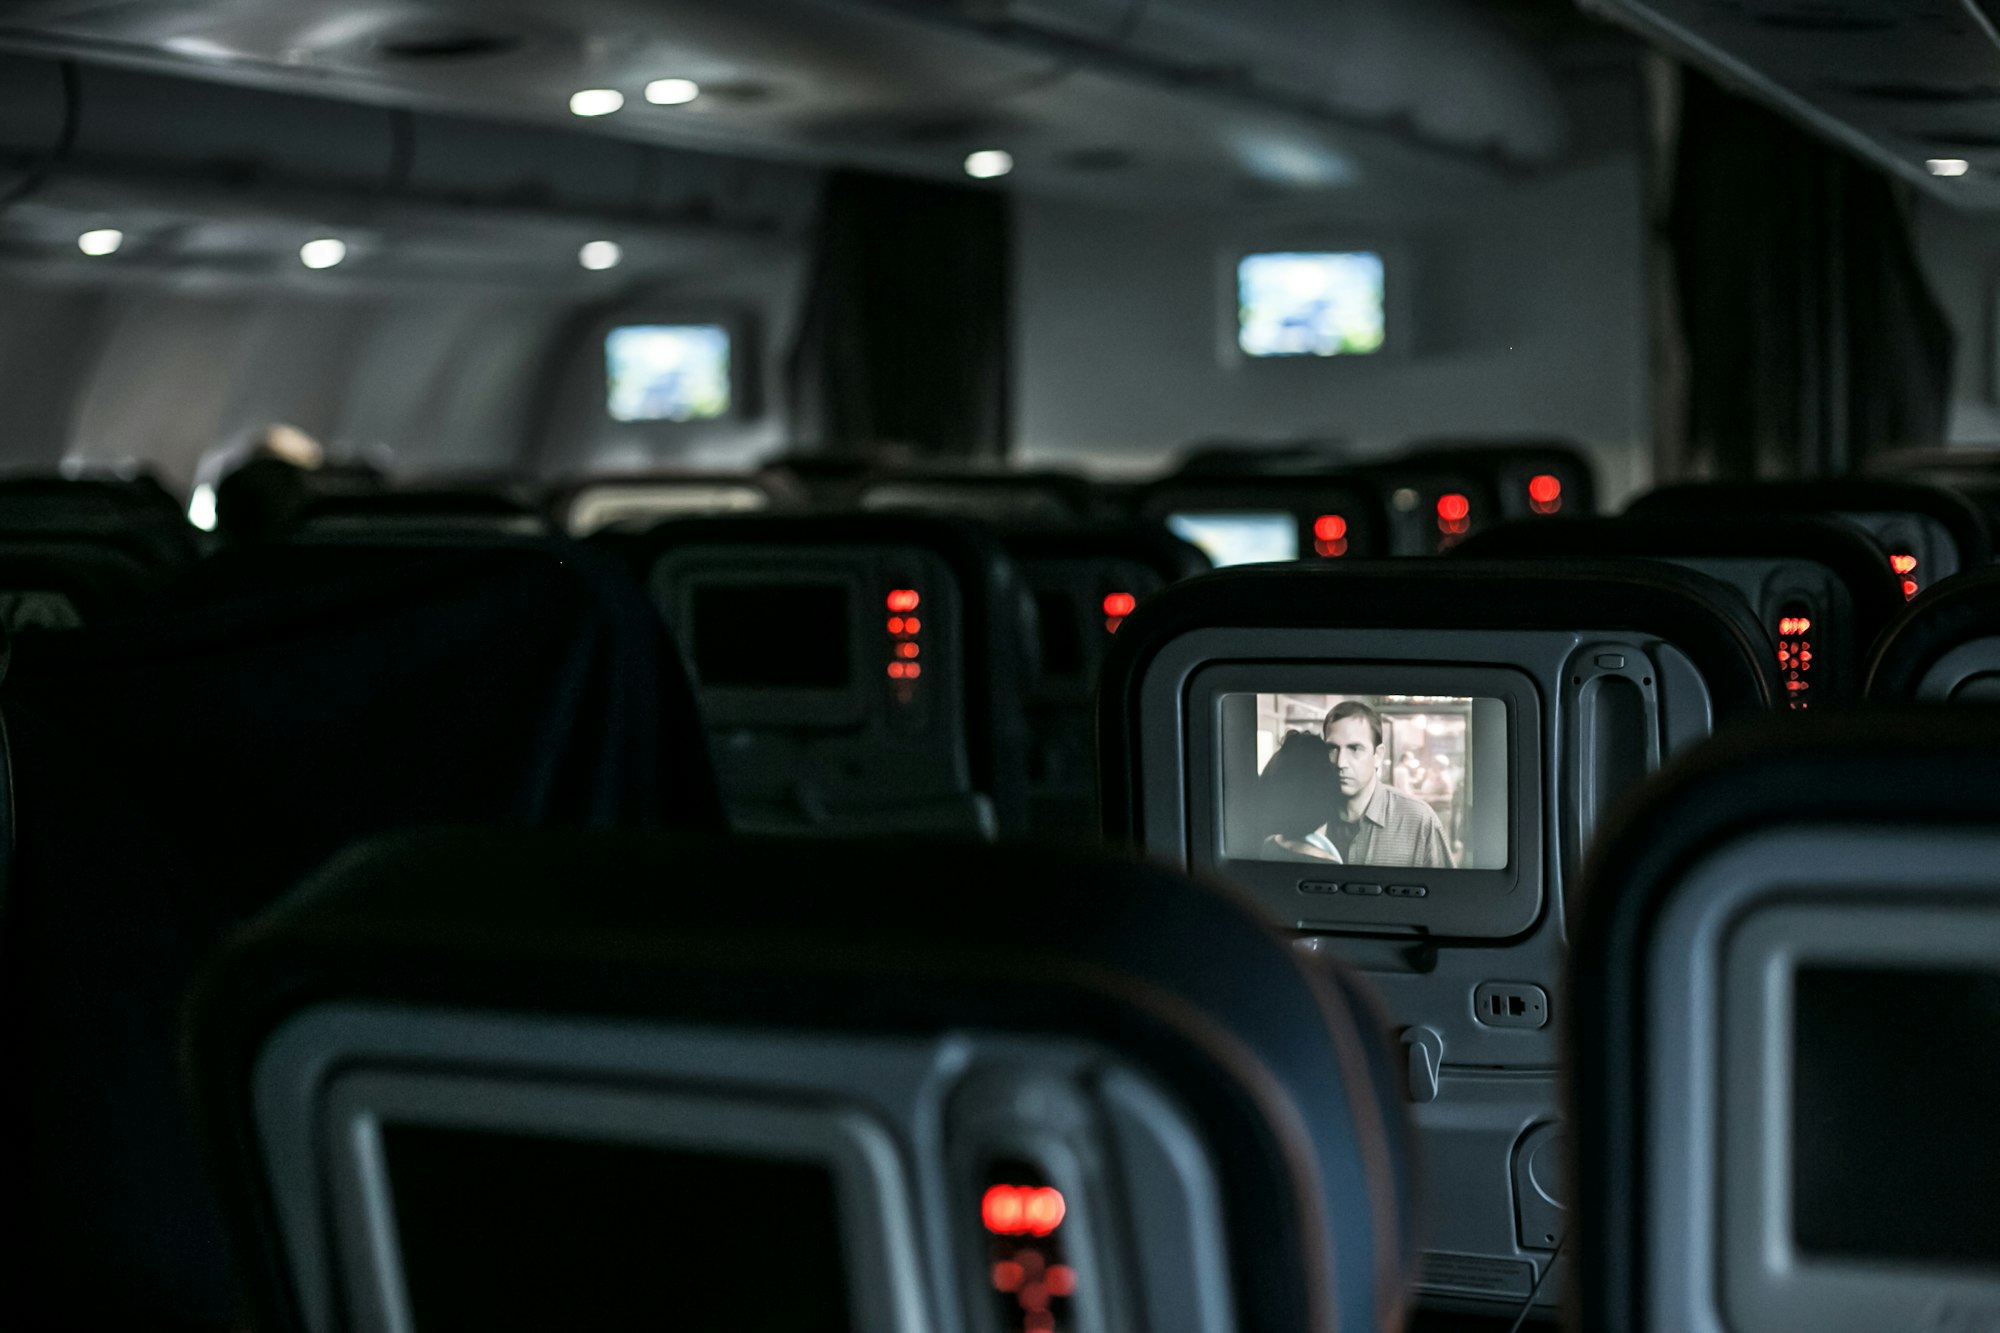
(903, 630)
(1022, 1210)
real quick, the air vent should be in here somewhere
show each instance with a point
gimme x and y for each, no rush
(440, 43)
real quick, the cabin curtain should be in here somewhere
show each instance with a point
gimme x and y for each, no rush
(1810, 338)
(905, 338)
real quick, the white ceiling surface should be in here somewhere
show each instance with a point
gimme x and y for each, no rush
(1126, 97)
(1898, 81)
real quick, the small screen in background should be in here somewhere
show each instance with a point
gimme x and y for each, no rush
(1310, 304)
(517, 1231)
(1239, 539)
(771, 635)
(667, 372)
(1380, 780)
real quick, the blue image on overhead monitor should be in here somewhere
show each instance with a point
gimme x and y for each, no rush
(667, 372)
(1310, 304)
(1239, 539)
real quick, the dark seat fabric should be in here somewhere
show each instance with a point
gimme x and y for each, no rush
(1944, 616)
(1281, 1063)
(177, 772)
(80, 552)
(1909, 769)
(1958, 516)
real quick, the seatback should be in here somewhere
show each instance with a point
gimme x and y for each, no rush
(859, 672)
(1085, 579)
(1929, 533)
(1822, 590)
(591, 504)
(1786, 1036)
(1945, 647)
(506, 1082)
(173, 774)
(419, 513)
(74, 552)
(1012, 498)
(1533, 697)
(1252, 519)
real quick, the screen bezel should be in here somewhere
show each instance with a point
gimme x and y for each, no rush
(359, 1100)
(1485, 904)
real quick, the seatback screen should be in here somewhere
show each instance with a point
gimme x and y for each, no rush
(1378, 780)
(1246, 538)
(772, 635)
(515, 1231)
(1896, 1090)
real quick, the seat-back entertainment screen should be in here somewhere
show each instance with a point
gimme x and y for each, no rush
(1377, 781)
(667, 372)
(772, 635)
(1245, 538)
(1310, 303)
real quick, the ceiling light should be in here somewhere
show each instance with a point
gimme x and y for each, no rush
(323, 253)
(103, 241)
(596, 101)
(672, 92)
(1948, 166)
(599, 255)
(987, 163)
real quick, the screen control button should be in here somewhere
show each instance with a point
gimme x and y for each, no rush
(1408, 891)
(1318, 886)
(1365, 890)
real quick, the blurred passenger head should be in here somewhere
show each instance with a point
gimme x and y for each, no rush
(1297, 791)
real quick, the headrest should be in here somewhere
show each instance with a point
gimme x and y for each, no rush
(1829, 496)
(1143, 543)
(1947, 620)
(136, 518)
(1513, 468)
(1699, 616)
(1785, 1022)
(587, 504)
(1140, 1041)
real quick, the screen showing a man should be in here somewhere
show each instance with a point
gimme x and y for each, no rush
(1363, 780)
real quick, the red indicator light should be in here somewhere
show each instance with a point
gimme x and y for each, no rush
(1038, 1321)
(1453, 508)
(1545, 489)
(912, 671)
(897, 671)
(1902, 564)
(1329, 527)
(1909, 588)
(1336, 547)
(895, 624)
(912, 625)
(903, 599)
(1061, 1280)
(1790, 625)
(1119, 604)
(1022, 1210)
(1008, 1276)
(907, 650)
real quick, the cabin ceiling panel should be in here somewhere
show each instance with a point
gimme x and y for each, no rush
(1132, 97)
(1901, 82)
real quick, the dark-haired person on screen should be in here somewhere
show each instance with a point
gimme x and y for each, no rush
(1374, 824)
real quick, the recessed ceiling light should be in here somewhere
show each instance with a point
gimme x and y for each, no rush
(1948, 166)
(596, 101)
(988, 163)
(672, 92)
(103, 241)
(323, 253)
(599, 255)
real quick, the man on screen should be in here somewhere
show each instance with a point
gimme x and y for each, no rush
(1375, 825)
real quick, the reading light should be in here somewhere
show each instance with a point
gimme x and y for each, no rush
(201, 507)
(595, 101)
(988, 163)
(103, 241)
(323, 253)
(672, 92)
(600, 255)
(1948, 166)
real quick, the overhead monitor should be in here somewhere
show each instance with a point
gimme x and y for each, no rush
(668, 372)
(1241, 538)
(1310, 303)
